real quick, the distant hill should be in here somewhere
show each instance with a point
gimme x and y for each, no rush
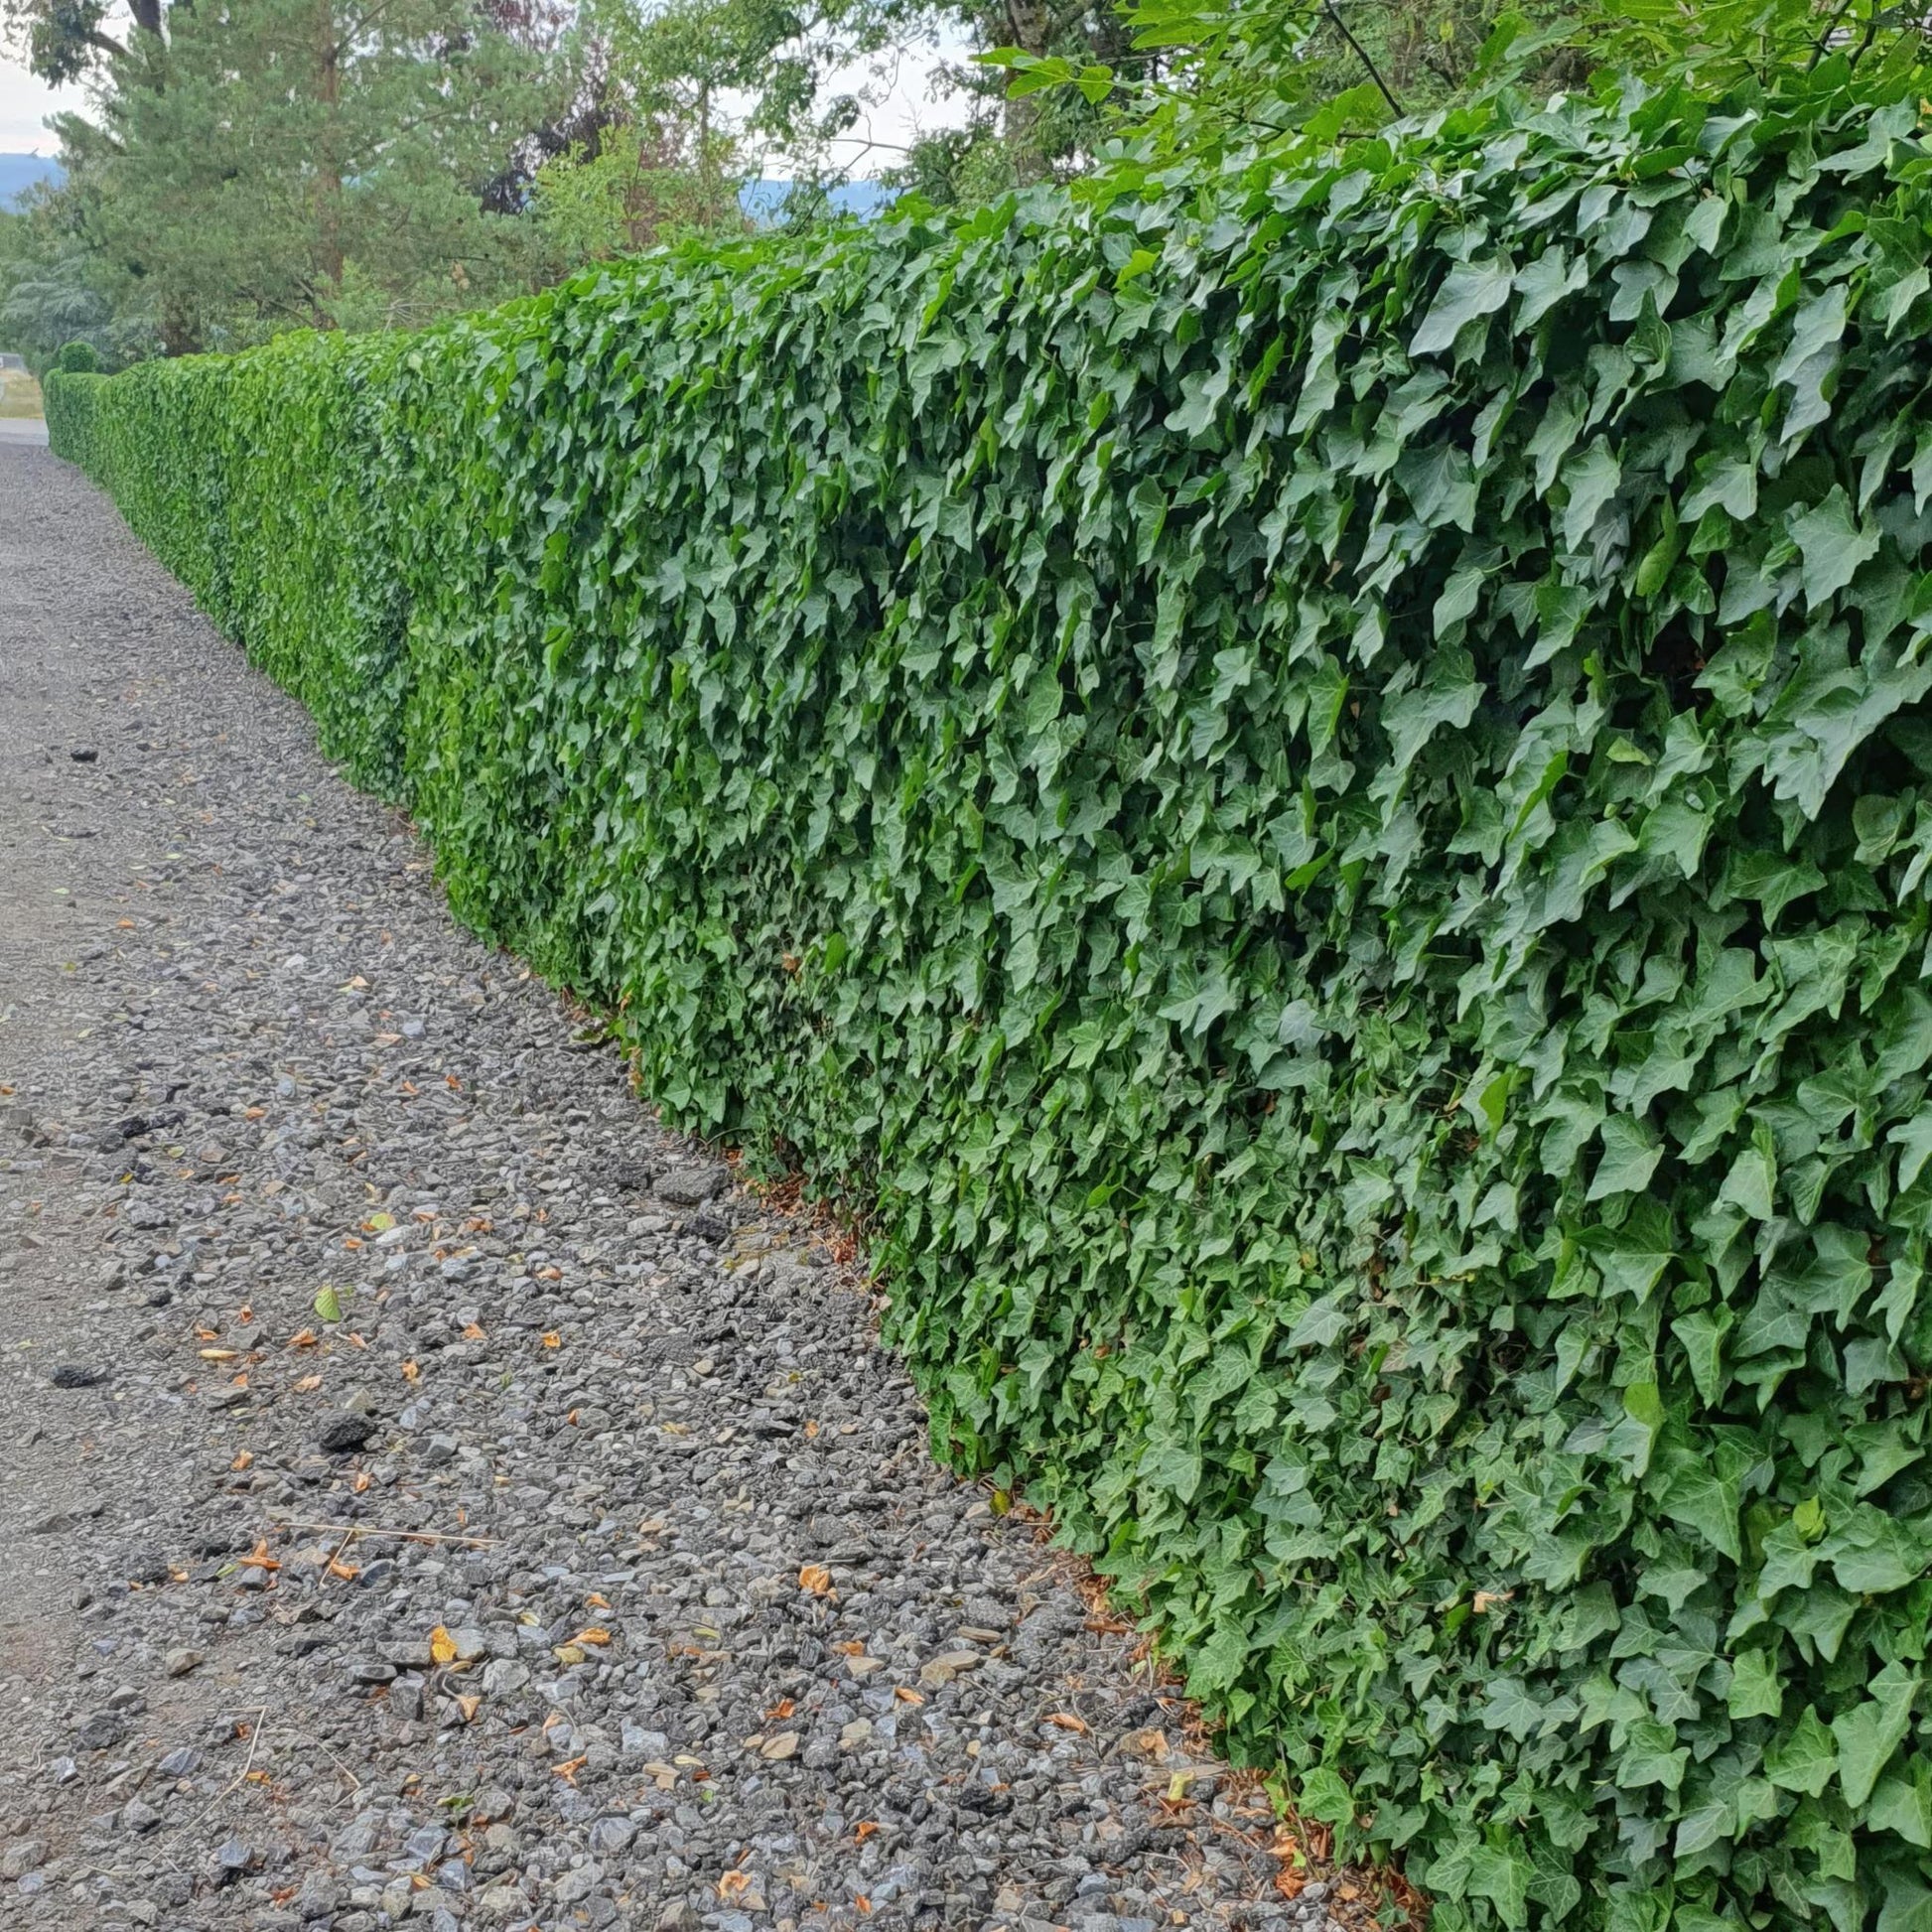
(764, 201)
(19, 171)
(761, 199)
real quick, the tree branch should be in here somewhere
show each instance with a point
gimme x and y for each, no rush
(1361, 54)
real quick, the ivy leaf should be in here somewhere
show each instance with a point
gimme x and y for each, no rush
(1903, 1803)
(1631, 1151)
(1871, 1732)
(1833, 545)
(1755, 1688)
(1470, 290)
(1707, 1503)
(1805, 1758)
(1592, 479)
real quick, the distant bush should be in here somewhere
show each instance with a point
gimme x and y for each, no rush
(77, 358)
(1318, 786)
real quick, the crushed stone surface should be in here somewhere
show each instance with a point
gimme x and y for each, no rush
(590, 1568)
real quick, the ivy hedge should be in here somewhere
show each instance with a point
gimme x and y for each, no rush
(1318, 786)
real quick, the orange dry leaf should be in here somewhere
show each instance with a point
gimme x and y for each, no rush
(598, 1600)
(569, 1768)
(594, 1636)
(441, 1646)
(861, 1901)
(361, 1480)
(550, 1273)
(244, 1459)
(865, 1829)
(811, 1429)
(734, 1885)
(553, 1340)
(260, 1558)
(204, 1333)
(815, 1578)
(254, 1113)
(238, 1381)
(907, 1697)
(347, 1571)
(410, 1372)
(783, 1709)
(850, 1649)
(469, 1705)
(355, 1341)
(472, 1332)
(453, 1083)
(307, 1383)
(303, 1338)
(245, 1312)
(1487, 1600)
(352, 1241)
(1068, 1721)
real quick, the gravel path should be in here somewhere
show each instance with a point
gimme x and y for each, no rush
(687, 1629)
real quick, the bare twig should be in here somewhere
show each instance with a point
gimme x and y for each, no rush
(1361, 54)
(347, 1530)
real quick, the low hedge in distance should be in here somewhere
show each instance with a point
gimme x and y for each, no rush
(1315, 784)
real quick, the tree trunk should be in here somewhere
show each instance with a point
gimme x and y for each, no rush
(1020, 115)
(329, 170)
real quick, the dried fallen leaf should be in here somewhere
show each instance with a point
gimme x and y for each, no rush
(569, 1768)
(469, 1705)
(906, 1696)
(815, 1578)
(553, 1340)
(811, 1429)
(652, 1526)
(441, 1646)
(260, 1558)
(781, 1709)
(734, 1885)
(306, 1383)
(1487, 1600)
(218, 1354)
(1066, 1720)
(244, 1313)
(347, 1571)
(865, 1829)
(598, 1600)
(204, 1333)
(594, 1636)
(471, 1331)
(850, 1649)
(245, 1459)
(410, 1372)
(303, 1338)
(361, 1480)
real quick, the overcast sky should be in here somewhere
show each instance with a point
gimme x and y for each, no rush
(25, 104)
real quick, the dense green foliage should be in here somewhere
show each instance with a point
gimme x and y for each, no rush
(1319, 785)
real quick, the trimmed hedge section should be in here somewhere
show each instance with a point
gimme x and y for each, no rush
(1319, 787)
